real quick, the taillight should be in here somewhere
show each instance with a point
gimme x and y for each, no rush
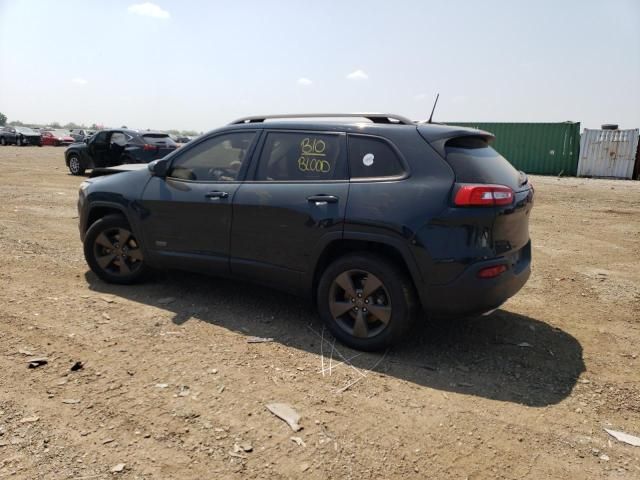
(483, 195)
(148, 147)
(492, 272)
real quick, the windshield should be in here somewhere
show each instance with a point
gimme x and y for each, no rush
(60, 133)
(25, 130)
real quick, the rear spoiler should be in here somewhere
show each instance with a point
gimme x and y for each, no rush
(438, 135)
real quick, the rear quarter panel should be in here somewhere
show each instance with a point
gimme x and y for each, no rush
(399, 209)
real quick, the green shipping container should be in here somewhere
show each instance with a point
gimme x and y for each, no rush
(537, 148)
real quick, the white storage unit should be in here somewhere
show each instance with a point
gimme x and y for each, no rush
(607, 153)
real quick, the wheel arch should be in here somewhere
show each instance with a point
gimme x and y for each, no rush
(68, 153)
(99, 210)
(356, 242)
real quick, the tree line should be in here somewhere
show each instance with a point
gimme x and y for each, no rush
(71, 125)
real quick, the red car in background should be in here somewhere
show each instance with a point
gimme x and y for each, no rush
(56, 138)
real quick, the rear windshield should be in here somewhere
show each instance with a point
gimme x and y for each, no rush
(474, 161)
(161, 139)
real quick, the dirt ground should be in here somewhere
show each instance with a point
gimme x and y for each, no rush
(171, 388)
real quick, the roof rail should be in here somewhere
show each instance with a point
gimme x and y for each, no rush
(374, 117)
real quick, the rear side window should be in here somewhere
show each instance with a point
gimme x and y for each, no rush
(119, 138)
(371, 157)
(158, 139)
(474, 161)
(300, 156)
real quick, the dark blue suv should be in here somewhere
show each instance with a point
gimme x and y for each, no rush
(108, 148)
(373, 219)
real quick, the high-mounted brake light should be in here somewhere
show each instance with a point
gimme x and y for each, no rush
(483, 195)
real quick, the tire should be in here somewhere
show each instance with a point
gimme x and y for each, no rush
(19, 142)
(75, 165)
(3, 141)
(108, 258)
(350, 315)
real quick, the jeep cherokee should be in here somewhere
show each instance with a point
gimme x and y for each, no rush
(372, 219)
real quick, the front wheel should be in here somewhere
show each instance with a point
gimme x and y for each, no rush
(366, 301)
(19, 142)
(3, 141)
(75, 165)
(113, 252)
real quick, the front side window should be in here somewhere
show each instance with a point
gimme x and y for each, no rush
(99, 138)
(300, 156)
(371, 157)
(216, 159)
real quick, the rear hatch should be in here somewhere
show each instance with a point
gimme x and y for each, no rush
(158, 144)
(476, 163)
(486, 181)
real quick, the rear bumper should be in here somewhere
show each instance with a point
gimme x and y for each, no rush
(470, 295)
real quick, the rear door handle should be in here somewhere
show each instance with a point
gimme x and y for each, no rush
(322, 199)
(217, 194)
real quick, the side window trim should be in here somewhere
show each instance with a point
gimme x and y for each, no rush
(253, 171)
(205, 138)
(405, 165)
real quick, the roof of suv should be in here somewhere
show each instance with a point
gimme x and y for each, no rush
(372, 121)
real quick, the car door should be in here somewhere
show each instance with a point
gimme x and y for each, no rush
(99, 149)
(293, 200)
(9, 135)
(187, 214)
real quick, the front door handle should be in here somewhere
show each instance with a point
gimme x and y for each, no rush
(322, 199)
(217, 194)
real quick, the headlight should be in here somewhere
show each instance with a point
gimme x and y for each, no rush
(84, 185)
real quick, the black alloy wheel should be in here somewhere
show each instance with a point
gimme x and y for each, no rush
(113, 252)
(366, 300)
(360, 303)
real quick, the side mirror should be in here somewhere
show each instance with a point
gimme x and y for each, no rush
(159, 168)
(86, 140)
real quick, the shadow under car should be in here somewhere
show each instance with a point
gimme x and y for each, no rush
(505, 356)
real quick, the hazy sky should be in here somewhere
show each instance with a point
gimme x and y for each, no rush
(197, 65)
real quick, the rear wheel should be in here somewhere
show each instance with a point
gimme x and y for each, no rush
(75, 165)
(3, 141)
(113, 252)
(366, 301)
